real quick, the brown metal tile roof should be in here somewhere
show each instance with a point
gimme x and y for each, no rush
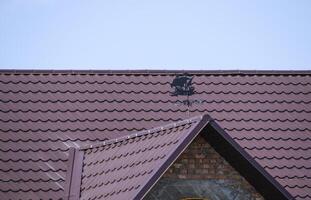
(43, 113)
(126, 168)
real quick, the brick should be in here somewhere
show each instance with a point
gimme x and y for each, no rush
(201, 162)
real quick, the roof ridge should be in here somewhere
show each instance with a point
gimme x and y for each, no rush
(160, 72)
(144, 132)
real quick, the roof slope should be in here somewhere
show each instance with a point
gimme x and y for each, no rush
(42, 114)
(126, 168)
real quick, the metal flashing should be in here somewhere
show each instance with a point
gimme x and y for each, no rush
(69, 172)
(142, 133)
(72, 191)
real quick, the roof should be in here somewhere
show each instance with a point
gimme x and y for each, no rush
(126, 168)
(44, 113)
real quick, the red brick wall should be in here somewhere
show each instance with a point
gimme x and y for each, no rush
(201, 161)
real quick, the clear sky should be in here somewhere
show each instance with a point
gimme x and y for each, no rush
(159, 34)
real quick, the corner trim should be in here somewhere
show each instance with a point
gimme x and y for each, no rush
(69, 172)
(74, 174)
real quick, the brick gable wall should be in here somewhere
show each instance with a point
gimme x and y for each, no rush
(201, 172)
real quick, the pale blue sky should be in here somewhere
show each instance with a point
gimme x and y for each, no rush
(159, 34)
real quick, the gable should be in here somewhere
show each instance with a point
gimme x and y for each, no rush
(200, 172)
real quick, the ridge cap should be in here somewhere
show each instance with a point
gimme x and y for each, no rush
(160, 72)
(145, 132)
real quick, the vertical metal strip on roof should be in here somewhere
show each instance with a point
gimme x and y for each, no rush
(69, 172)
(73, 182)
